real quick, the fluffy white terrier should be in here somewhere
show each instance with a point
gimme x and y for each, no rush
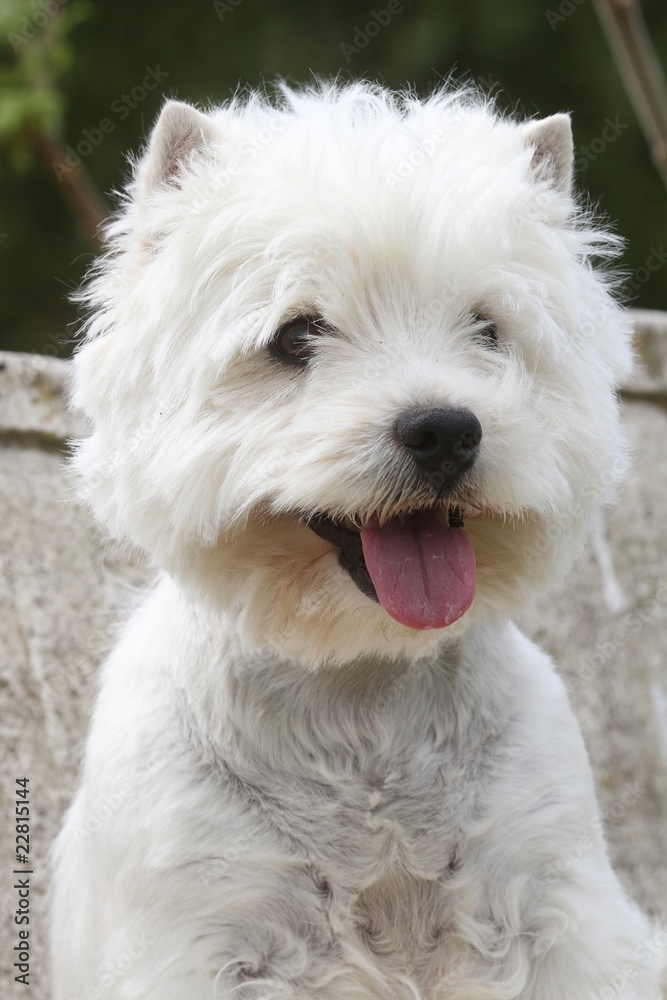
(351, 382)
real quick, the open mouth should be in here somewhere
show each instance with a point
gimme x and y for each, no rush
(418, 566)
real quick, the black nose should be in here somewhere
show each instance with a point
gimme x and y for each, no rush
(442, 441)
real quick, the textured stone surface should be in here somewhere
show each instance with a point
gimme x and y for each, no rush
(650, 376)
(606, 628)
(63, 591)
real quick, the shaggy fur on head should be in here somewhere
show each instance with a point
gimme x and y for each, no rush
(288, 791)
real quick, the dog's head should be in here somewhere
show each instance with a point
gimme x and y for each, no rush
(349, 369)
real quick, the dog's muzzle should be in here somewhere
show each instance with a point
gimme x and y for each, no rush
(419, 564)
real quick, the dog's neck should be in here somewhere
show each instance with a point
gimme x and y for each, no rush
(362, 716)
(325, 756)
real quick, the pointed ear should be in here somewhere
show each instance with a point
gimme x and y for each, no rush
(553, 150)
(180, 131)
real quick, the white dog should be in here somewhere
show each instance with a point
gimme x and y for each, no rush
(350, 376)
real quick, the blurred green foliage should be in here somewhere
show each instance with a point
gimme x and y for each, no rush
(92, 76)
(37, 34)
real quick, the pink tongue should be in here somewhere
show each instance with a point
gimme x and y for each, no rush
(423, 571)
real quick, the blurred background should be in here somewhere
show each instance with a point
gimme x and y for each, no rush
(81, 82)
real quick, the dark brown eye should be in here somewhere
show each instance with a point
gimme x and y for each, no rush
(296, 340)
(485, 330)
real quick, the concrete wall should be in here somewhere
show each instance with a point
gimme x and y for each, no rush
(64, 588)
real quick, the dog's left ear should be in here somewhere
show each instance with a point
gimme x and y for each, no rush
(180, 132)
(553, 150)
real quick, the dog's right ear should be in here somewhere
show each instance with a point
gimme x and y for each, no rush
(553, 150)
(180, 133)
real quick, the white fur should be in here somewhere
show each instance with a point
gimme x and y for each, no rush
(286, 793)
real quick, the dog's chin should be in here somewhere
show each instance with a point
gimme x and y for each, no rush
(298, 582)
(290, 590)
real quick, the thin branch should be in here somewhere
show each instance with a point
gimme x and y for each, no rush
(640, 70)
(76, 186)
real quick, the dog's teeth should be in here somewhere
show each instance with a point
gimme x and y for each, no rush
(455, 517)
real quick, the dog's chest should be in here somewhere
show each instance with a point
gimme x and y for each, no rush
(362, 791)
(380, 851)
(394, 876)
(371, 821)
(364, 816)
(404, 924)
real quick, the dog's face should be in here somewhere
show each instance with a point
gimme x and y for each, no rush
(351, 375)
